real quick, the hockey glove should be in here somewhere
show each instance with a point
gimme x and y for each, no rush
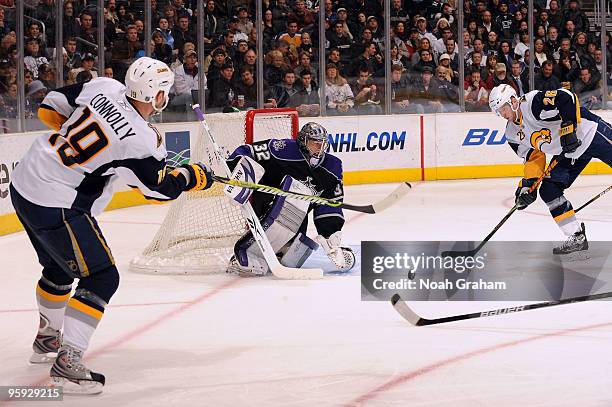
(569, 139)
(342, 257)
(524, 198)
(199, 177)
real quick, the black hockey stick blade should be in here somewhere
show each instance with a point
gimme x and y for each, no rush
(409, 315)
(380, 206)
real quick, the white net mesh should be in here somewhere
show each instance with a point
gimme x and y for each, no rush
(200, 229)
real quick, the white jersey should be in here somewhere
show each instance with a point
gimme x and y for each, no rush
(101, 137)
(542, 113)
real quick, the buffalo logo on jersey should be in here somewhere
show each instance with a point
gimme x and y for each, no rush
(540, 137)
(159, 137)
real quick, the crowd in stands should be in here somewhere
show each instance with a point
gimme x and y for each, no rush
(424, 51)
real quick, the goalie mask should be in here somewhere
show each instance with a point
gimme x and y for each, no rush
(313, 142)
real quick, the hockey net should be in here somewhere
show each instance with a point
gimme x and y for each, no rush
(200, 229)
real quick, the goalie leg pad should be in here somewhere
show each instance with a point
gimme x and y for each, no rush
(298, 252)
(281, 222)
(247, 170)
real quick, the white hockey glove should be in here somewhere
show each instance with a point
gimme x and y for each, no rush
(341, 257)
(247, 170)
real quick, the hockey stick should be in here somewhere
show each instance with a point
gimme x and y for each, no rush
(259, 234)
(373, 208)
(471, 253)
(409, 315)
(599, 195)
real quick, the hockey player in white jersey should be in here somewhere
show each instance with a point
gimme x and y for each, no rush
(64, 181)
(552, 122)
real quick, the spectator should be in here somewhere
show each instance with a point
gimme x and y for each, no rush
(270, 29)
(566, 70)
(569, 30)
(539, 52)
(555, 15)
(47, 75)
(83, 76)
(342, 17)
(588, 89)
(292, 37)
(441, 26)
(340, 40)
(161, 51)
(577, 16)
(222, 91)
(398, 59)
(274, 67)
(478, 47)
(108, 72)
(453, 75)
(426, 92)
(492, 44)
(487, 22)
(449, 95)
(367, 95)
(308, 47)
(367, 59)
(130, 48)
(425, 60)
(8, 105)
(439, 45)
(305, 65)
(500, 77)
(306, 100)
(33, 56)
(283, 92)
(545, 80)
(552, 44)
(505, 54)
(163, 27)
(87, 64)
(340, 99)
(304, 17)
(519, 49)
(34, 31)
(503, 21)
(182, 34)
(250, 60)
(88, 33)
(245, 25)
(247, 88)
(186, 80)
(489, 68)
(218, 61)
(421, 25)
(71, 27)
(398, 14)
(378, 34)
(476, 95)
(400, 93)
(212, 24)
(520, 78)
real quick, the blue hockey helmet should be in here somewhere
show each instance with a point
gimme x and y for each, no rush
(312, 131)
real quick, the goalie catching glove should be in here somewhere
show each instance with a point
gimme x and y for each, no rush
(342, 257)
(247, 170)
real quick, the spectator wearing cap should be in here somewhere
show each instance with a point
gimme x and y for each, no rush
(304, 17)
(87, 64)
(33, 56)
(232, 27)
(500, 77)
(448, 91)
(306, 100)
(445, 62)
(222, 91)
(161, 51)
(338, 94)
(378, 35)
(398, 14)
(342, 16)
(545, 80)
(186, 80)
(575, 14)
(426, 91)
(421, 24)
(35, 94)
(245, 25)
(182, 34)
(218, 59)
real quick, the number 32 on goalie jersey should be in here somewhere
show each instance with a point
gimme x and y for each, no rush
(83, 140)
(261, 151)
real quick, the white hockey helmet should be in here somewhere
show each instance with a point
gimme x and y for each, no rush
(500, 95)
(145, 78)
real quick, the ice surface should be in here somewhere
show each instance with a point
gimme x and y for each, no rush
(222, 340)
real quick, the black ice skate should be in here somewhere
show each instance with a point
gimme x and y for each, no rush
(72, 375)
(575, 243)
(46, 344)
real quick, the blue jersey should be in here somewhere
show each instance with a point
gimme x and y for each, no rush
(281, 157)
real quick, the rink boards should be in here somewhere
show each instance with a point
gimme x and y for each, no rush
(373, 149)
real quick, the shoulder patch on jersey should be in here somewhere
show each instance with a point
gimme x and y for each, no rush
(123, 105)
(159, 137)
(279, 144)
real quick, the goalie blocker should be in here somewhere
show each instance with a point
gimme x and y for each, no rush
(301, 166)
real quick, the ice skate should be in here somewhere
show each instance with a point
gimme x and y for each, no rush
(72, 375)
(46, 344)
(576, 245)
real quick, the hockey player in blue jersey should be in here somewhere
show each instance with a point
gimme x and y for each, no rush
(65, 180)
(552, 122)
(305, 166)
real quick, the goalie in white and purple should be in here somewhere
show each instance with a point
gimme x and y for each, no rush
(304, 166)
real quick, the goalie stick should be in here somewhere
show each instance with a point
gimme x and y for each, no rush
(373, 208)
(472, 253)
(409, 315)
(259, 234)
